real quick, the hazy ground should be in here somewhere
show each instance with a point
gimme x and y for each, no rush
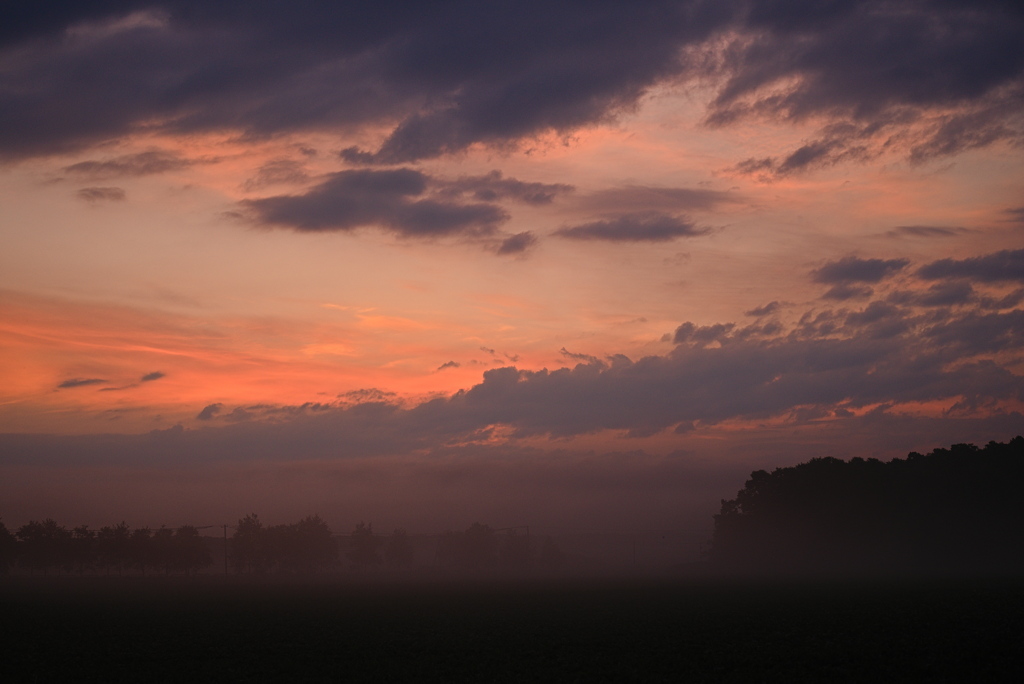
(206, 629)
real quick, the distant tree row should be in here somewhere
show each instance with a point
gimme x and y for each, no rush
(956, 509)
(480, 547)
(307, 546)
(43, 547)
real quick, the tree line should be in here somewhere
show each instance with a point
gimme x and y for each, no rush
(306, 546)
(43, 547)
(952, 510)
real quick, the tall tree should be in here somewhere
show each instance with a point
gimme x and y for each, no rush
(8, 549)
(83, 548)
(45, 546)
(248, 545)
(190, 552)
(365, 547)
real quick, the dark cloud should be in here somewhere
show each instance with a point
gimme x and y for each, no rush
(1007, 265)
(393, 199)
(932, 77)
(643, 227)
(769, 308)
(935, 77)
(277, 172)
(209, 411)
(80, 382)
(494, 187)
(446, 77)
(855, 270)
(140, 164)
(108, 194)
(860, 364)
(576, 356)
(518, 243)
(688, 333)
(844, 291)
(947, 294)
(1008, 301)
(1016, 214)
(642, 198)
(449, 364)
(926, 231)
(150, 377)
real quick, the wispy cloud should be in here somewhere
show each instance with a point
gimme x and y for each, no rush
(80, 382)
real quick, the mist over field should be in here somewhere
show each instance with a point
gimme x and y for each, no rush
(588, 314)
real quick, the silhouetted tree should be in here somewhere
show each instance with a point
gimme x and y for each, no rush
(8, 549)
(954, 509)
(44, 546)
(398, 553)
(365, 545)
(161, 547)
(113, 546)
(305, 546)
(140, 550)
(83, 548)
(190, 553)
(248, 545)
(317, 548)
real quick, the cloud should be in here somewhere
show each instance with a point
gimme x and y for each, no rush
(643, 198)
(1004, 266)
(862, 363)
(941, 348)
(139, 164)
(494, 187)
(767, 309)
(150, 377)
(947, 294)
(277, 172)
(844, 291)
(926, 231)
(80, 382)
(576, 356)
(855, 270)
(929, 78)
(688, 333)
(209, 411)
(518, 243)
(101, 194)
(642, 227)
(446, 79)
(449, 364)
(393, 199)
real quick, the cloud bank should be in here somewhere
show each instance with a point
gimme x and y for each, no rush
(928, 77)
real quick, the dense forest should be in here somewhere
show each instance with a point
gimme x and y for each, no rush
(951, 511)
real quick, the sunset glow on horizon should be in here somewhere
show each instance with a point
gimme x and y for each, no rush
(489, 256)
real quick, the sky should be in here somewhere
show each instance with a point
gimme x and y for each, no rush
(578, 265)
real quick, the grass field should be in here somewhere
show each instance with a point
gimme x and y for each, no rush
(499, 630)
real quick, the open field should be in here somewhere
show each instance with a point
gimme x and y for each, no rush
(500, 630)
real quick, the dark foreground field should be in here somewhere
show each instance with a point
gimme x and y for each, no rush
(204, 630)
